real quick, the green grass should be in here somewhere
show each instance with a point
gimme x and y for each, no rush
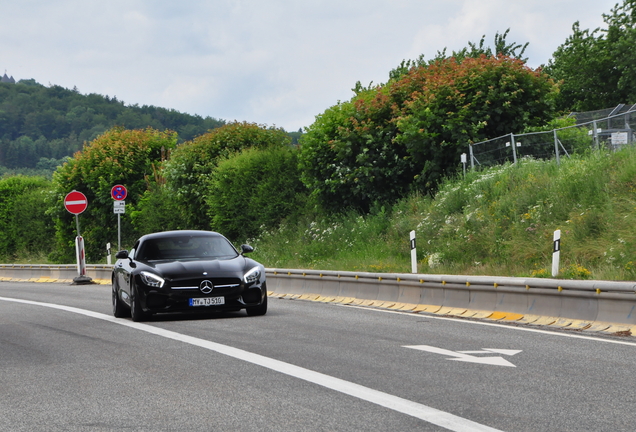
(499, 222)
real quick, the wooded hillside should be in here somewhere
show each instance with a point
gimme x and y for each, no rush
(41, 125)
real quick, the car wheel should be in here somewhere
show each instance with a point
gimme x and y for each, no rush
(119, 310)
(258, 310)
(136, 313)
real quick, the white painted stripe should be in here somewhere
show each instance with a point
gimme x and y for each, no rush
(492, 324)
(75, 202)
(405, 406)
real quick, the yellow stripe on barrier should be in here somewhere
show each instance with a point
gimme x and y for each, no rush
(529, 319)
(579, 325)
(619, 328)
(599, 326)
(562, 322)
(544, 320)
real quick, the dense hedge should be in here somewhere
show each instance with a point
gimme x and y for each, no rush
(254, 190)
(191, 164)
(25, 227)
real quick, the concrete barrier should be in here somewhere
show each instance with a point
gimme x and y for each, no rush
(573, 303)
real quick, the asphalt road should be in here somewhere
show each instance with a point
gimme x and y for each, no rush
(304, 366)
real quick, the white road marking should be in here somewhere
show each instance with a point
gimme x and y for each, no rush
(395, 403)
(464, 355)
(491, 324)
(493, 350)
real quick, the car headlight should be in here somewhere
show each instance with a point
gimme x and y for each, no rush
(252, 276)
(151, 279)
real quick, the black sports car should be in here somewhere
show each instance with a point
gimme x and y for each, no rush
(186, 271)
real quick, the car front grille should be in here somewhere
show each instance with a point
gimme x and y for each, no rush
(221, 285)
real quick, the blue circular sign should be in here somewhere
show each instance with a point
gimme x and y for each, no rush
(118, 192)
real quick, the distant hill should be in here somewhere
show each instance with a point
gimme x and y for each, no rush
(40, 125)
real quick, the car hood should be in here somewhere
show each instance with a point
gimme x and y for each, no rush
(175, 270)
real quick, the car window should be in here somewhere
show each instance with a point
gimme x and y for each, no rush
(186, 247)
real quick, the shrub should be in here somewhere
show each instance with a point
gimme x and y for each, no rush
(25, 226)
(254, 190)
(191, 164)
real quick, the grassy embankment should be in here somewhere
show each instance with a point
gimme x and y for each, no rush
(498, 222)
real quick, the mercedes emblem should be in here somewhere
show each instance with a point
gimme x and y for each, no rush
(206, 287)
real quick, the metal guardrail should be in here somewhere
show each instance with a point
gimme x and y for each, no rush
(596, 305)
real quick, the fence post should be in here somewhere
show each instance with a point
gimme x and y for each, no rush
(595, 135)
(472, 162)
(556, 147)
(514, 148)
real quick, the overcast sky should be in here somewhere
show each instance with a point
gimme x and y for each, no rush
(273, 62)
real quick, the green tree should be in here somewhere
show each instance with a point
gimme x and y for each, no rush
(408, 134)
(455, 104)
(597, 69)
(501, 47)
(120, 156)
(191, 164)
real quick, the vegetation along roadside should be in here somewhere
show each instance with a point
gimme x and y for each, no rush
(345, 193)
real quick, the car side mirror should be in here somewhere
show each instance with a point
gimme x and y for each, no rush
(246, 249)
(123, 254)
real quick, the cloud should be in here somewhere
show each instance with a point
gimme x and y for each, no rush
(277, 62)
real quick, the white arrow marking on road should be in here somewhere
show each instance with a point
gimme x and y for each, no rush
(466, 357)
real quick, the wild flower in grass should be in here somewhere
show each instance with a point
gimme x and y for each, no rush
(575, 271)
(541, 273)
(435, 260)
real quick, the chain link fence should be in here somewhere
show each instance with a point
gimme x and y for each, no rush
(610, 128)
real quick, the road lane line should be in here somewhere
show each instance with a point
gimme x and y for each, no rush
(509, 326)
(395, 403)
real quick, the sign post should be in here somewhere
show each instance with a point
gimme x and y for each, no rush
(75, 203)
(119, 193)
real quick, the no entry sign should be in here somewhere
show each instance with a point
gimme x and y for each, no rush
(75, 202)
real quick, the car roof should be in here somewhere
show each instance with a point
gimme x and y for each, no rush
(179, 233)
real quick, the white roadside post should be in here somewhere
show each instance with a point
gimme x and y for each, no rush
(413, 254)
(464, 161)
(556, 253)
(108, 259)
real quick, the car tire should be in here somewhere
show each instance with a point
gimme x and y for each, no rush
(119, 310)
(258, 310)
(136, 313)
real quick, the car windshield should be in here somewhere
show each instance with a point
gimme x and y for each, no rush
(186, 247)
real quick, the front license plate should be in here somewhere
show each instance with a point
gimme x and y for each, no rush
(207, 301)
